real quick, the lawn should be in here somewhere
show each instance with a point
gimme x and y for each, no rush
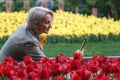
(108, 48)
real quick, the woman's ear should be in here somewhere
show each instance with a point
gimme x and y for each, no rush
(36, 24)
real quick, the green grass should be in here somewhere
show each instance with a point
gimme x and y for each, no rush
(108, 48)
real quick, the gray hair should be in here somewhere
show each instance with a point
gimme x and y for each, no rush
(35, 15)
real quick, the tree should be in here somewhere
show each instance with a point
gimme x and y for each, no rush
(112, 7)
(71, 5)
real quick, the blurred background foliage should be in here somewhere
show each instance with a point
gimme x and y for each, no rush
(108, 8)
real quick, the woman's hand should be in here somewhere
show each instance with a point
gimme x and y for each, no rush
(80, 51)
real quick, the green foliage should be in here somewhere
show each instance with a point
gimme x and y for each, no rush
(32, 3)
(105, 7)
(2, 6)
(71, 3)
(109, 48)
(18, 4)
(90, 2)
(90, 38)
(75, 39)
(96, 3)
(114, 37)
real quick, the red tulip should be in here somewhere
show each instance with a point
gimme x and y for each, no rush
(9, 60)
(28, 60)
(44, 74)
(43, 60)
(74, 76)
(33, 76)
(37, 71)
(77, 56)
(1, 72)
(65, 68)
(84, 73)
(101, 78)
(113, 68)
(59, 78)
(55, 69)
(6, 71)
(15, 78)
(22, 74)
(106, 67)
(22, 65)
(92, 66)
(30, 68)
(75, 64)
(61, 58)
(103, 59)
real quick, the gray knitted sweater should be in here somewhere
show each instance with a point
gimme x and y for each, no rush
(22, 42)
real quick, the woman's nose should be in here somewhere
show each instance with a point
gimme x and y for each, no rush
(50, 25)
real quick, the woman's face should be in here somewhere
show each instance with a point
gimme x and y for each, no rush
(44, 25)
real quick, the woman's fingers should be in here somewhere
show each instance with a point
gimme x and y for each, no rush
(82, 52)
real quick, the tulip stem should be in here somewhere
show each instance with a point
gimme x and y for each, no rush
(5, 78)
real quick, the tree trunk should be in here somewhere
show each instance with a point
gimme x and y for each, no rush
(61, 5)
(76, 9)
(44, 3)
(110, 14)
(95, 11)
(118, 12)
(26, 5)
(8, 6)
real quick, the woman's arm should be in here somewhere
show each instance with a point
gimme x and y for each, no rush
(34, 51)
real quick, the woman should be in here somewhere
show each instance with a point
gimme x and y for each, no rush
(25, 40)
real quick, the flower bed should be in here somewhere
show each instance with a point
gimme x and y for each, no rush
(66, 27)
(97, 68)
